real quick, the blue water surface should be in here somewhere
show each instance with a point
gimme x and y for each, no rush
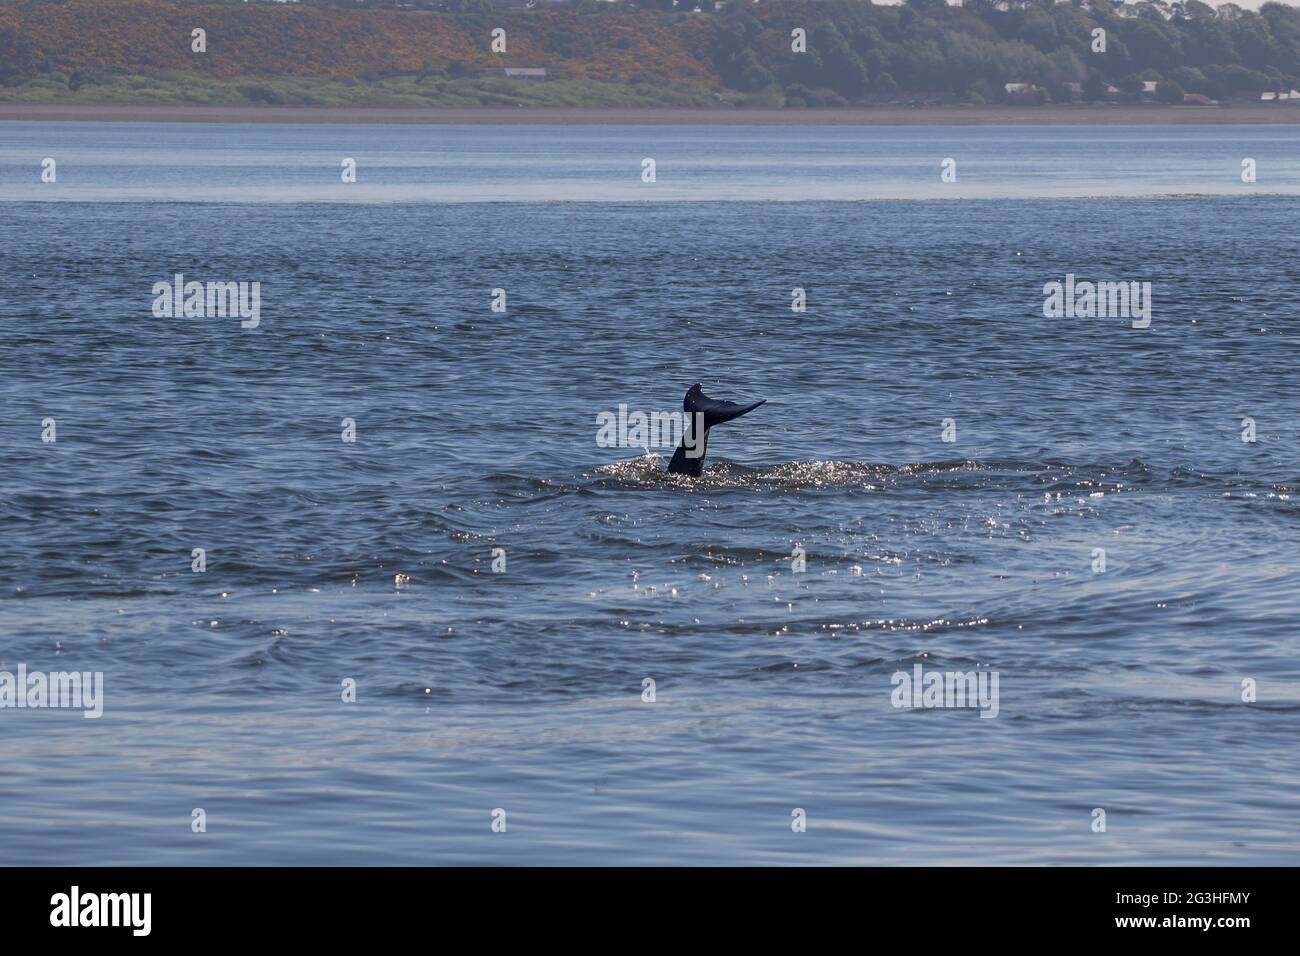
(372, 561)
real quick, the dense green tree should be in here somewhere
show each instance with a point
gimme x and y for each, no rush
(1094, 88)
(1169, 92)
(1189, 78)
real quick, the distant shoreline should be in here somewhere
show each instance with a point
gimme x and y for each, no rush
(626, 116)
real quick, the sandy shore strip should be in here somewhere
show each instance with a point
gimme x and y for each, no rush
(546, 116)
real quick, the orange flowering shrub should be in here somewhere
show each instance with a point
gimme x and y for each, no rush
(144, 36)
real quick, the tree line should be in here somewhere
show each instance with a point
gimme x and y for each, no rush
(853, 51)
(857, 50)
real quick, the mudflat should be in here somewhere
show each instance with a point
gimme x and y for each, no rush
(543, 116)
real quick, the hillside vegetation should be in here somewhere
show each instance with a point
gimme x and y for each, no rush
(652, 54)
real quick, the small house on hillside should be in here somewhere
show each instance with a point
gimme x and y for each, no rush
(1021, 92)
(525, 73)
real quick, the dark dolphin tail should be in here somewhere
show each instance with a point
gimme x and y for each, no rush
(689, 457)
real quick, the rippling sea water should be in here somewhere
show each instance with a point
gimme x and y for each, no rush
(477, 430)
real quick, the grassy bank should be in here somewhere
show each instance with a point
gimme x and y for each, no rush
(409, 90)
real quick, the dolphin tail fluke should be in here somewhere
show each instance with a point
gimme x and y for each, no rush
(689, 457)
(715, 412)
